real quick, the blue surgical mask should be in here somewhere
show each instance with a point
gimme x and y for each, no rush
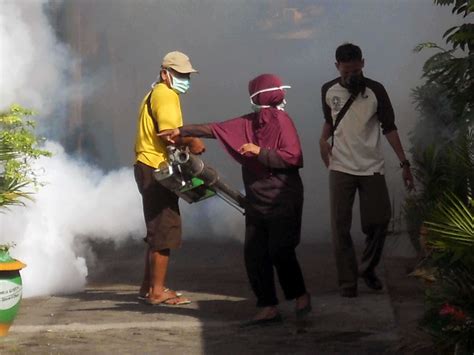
(180, 85)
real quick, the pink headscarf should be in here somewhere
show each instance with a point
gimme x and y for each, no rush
(270, 128)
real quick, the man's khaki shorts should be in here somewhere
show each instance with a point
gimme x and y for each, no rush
(161, 210)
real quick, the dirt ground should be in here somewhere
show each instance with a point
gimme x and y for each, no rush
(106, 317)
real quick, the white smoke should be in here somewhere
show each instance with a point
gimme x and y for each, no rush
(76, 200)
(32, 64)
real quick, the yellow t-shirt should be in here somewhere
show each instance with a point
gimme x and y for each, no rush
(166, 109)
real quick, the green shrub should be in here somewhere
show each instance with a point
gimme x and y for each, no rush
(19, 146)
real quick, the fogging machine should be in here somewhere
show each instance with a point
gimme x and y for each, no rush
(193, 180)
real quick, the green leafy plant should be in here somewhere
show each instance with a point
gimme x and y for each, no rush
(6, 246)
(19, 146)
(449, 313)
(445, 103)
(453, 69)
(438, 167)
(453, 225)
(443, 165)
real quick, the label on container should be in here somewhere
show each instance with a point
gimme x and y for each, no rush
(10, 294)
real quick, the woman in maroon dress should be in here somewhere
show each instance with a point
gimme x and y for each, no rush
(266, 144)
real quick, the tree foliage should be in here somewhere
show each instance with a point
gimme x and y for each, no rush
(453, 69)
(19, 146)
(443, 154)
(441, 138)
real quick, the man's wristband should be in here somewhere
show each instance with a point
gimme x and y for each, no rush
(405, 163)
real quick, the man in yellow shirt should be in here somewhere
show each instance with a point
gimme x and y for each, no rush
(160, 110)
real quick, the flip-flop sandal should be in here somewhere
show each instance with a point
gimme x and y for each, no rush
(168, 302)
(180, 301)
(178, 294)
(144, 297)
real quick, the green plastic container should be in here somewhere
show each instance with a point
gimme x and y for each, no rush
(10, 290)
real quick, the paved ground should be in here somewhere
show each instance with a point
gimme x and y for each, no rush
(106, 318)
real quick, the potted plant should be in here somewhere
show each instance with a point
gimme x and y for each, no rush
(18, 148)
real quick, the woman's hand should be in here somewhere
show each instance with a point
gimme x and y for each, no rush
(249, 149)
(169, 135)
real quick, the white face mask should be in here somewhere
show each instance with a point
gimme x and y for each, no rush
(257, 108)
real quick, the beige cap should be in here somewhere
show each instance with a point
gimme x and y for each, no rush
(179, 62)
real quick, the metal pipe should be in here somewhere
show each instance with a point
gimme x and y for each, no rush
(194, 166)
(183, 166)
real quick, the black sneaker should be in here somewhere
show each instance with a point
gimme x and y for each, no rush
(349, 292)
(372, 281)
